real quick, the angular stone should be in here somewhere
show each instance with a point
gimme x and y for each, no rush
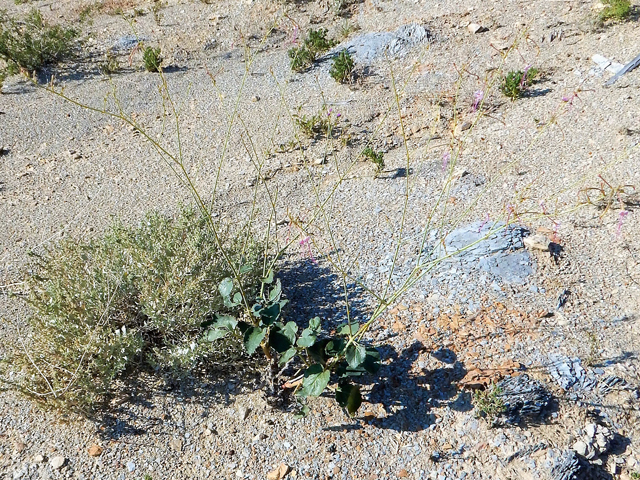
(279, 473)
(94, 450)
(475, 28)
(580, 448)
(537, 242)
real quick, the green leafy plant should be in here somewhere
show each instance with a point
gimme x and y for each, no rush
(305, 55)
(376, 157)
(152, 59)
(31, 43)
(515, 83)
(318, 356)
(635, 475)
(322, 123)
(135, 298)
(488, 403)
(342, 68)
(617, 10)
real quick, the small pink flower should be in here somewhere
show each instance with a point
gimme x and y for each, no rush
(307, 242)
(621, 218)
(477, 98)
(445, 160)
(524, 76)
(486, 220)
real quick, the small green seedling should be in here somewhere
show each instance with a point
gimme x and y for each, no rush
(617, 10)
(152, 59)
(305, 55)
(515, 83)
(376, 157)
(342, 68)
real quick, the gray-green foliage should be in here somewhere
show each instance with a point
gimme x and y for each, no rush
(32, 43)
(132, 298)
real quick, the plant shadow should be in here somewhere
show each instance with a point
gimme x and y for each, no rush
(314, 290)
(407, 397)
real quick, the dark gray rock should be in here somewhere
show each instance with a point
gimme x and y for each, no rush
(524, 399)
(491, 247)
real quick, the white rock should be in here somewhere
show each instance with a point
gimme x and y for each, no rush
(537, 242)
(38, 459)
(590, 430)
(602, 62)
(57, 462)
(475, 28)
(580, 448)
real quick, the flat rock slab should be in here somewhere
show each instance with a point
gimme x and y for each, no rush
(492, 247)
(369, 47)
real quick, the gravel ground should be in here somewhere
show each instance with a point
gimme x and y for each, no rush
(567, 318)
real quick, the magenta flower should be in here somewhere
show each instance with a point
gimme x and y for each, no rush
(524, 76)
(445, 160)
(621, 217)
(477, 98)
(307, 242)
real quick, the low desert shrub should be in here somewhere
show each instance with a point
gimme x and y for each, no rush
(488, 403)
(134, 298)
(515, 83)
(32, 43)
(342, 68)
(321, 123)
(616, 10)
(305, 55)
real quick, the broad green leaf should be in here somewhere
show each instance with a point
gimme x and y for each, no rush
(256, 309)
(252, 338)
(317, 350)
(316, 379)
(303, 412)
(286, 356)
(270, 314)
(280, 338)
(225, 287)
(268, 278)
(228, 303)
(215, 334)
(372, 360)
(335, 347)
(314, 323)
(237, 298)
(307, 338)
(348, 397)
(348, 328)
(227, 321)
(276, 291)
(356, 355)
(245, 269)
